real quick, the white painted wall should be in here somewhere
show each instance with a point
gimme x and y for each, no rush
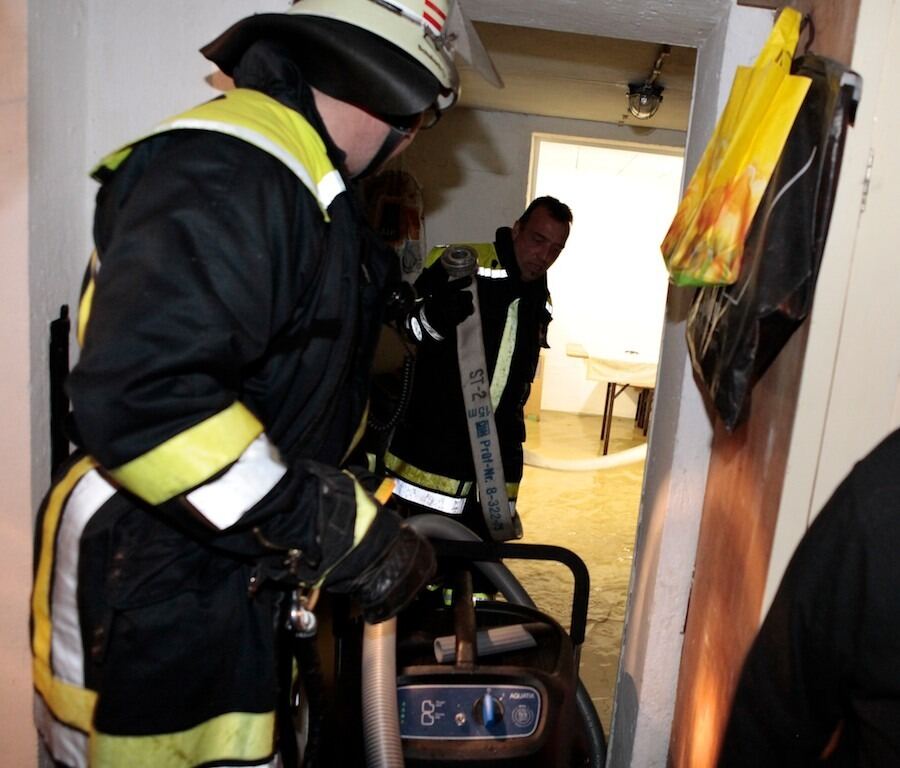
(60, 195)
(677, 463)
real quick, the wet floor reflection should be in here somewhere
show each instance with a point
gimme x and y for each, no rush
(594, 514)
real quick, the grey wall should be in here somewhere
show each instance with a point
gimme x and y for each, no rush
(474, 167)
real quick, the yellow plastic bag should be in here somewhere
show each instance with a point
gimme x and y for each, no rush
(705, 242)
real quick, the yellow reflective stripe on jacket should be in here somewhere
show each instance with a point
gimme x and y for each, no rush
(257, 119)
(430, 498)
(265, 123)
(500, 374)
(69, 703)
(228, 738)
(413, 474)
(226, 499)
(366, 511)
(87, 297)
(191, 457)
(442, 484)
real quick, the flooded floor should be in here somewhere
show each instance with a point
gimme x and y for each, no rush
(593, 513)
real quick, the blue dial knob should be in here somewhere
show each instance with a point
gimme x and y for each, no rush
(488, 710)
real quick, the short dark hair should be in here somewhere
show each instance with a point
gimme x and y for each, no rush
(557, 210)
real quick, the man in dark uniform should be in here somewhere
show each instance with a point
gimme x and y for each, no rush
(430, 453)
(228, 320)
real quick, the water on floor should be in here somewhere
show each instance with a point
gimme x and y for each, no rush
(593, 513)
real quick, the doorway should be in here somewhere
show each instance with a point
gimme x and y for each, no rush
(609, 287)
(609, 292)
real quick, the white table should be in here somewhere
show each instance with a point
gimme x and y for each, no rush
(619, 373)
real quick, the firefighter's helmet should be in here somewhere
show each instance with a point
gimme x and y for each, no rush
(390, 57)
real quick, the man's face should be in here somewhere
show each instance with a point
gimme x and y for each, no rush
(538, 242)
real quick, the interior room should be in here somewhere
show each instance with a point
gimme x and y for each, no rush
(711, 517)
(561, 127)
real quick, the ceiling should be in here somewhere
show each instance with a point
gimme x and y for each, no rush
(575, 58)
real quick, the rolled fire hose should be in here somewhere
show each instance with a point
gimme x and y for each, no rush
(502, 522)
(381, 719)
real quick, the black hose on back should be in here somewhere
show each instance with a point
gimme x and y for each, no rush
(406, 381)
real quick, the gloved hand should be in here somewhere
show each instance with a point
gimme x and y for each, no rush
(384, 569)
(402, 564)
(387, 586)
(445, 305)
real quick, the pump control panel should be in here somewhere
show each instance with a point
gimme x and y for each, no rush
(439, 711)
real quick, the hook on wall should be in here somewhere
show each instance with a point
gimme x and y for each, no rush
(808, 26)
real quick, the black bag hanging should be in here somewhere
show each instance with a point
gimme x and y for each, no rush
(735, 332)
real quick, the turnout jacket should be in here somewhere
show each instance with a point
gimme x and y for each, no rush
(430, 451)
(228, 321)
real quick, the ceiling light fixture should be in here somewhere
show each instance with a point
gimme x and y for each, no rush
(644, 98)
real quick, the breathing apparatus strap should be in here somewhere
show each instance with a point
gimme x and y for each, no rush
(502, 522)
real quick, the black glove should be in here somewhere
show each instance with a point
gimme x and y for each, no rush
(445, 305)
(401, 564)
(384, 570)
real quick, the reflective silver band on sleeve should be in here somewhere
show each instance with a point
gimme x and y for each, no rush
(227, 498)
(449, 505)
(67, 744)
(91, 493)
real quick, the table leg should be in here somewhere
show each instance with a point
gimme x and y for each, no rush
(607, 409)
(611, 396)
(647, 409)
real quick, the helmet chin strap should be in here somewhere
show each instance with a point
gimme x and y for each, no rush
(391, 142)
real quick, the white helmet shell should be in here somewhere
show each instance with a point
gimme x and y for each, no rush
(392, 57)
(417, 27)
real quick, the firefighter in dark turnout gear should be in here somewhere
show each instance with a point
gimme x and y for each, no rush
(228, 319)
(430, 452)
